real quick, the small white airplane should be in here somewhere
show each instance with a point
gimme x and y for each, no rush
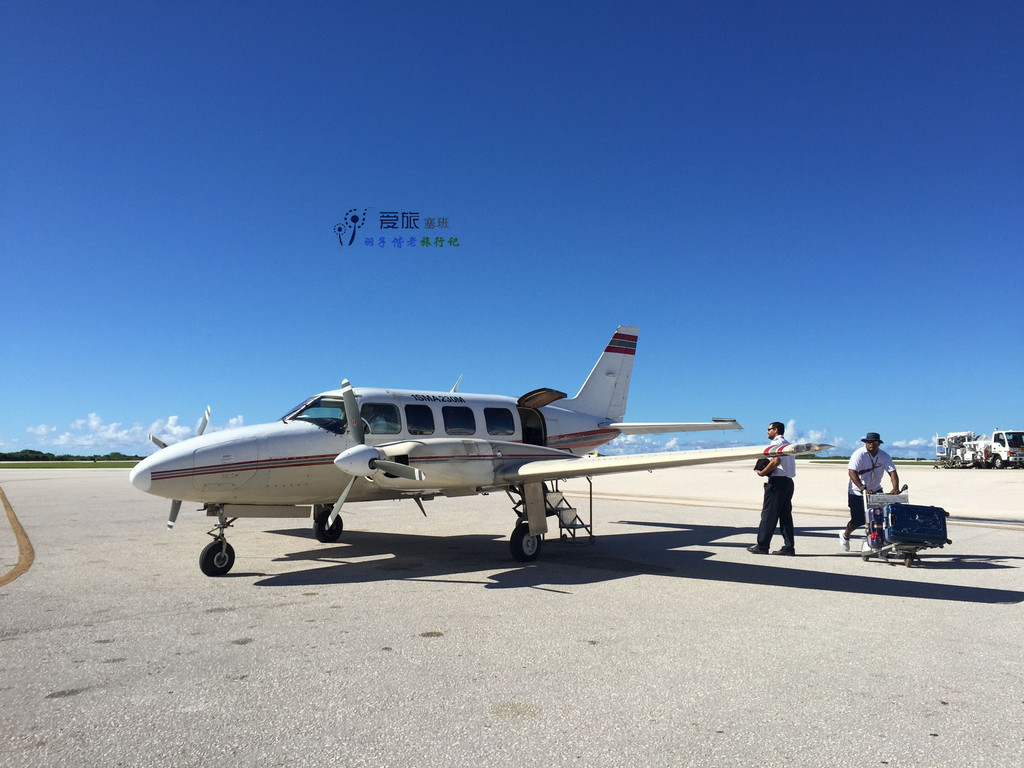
(364, 444)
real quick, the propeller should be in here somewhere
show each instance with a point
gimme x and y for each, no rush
(176, 503)
(363, 460)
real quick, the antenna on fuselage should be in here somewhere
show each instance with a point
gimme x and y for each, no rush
(456, 387)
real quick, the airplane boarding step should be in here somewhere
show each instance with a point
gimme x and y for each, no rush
(569, 521)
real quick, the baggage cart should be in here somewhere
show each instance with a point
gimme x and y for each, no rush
(895, 527)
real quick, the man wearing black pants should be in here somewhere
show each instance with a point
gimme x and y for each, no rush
(777, 508)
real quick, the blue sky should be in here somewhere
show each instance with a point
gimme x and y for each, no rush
(814, 211)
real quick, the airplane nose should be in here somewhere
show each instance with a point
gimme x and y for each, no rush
(141, 476)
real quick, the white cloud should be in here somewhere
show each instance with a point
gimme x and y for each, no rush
(917, 447)
(169, 430)
(917, 442)
(234, 422)
(629, 444)
(92, 433)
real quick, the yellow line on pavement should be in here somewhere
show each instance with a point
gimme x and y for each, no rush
(25, 552)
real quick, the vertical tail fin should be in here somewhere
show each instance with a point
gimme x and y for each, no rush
(604, 392)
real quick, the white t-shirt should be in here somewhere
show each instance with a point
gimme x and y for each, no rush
(870, 468)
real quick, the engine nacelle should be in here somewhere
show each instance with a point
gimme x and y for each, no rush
(445, 463)
(450, 463)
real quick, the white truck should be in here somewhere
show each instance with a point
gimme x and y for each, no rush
(965, 449)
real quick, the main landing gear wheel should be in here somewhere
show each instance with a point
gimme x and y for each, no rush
(217, 558)
(323, 533)
(525, 547)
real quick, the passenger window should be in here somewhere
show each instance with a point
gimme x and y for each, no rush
(499, 421)
(459, 420)
(420, 419)
(381, 418)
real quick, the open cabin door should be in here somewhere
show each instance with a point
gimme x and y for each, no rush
(534, 429)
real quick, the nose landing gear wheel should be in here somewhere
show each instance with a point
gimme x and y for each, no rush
(216, 558)
(525, 547)
(323, 533)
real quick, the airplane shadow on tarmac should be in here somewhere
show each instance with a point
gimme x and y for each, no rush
(680, 551)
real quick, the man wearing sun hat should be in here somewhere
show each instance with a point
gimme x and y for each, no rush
(866, 467)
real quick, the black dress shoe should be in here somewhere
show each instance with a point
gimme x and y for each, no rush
(756, 550)
(785, 551)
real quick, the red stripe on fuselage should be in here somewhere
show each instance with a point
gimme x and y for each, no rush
(590, 439)
(243, 466)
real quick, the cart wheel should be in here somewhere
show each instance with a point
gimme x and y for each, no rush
(865, 557)
(908, 560)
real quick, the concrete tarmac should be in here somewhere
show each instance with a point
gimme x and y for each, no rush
(421, 642)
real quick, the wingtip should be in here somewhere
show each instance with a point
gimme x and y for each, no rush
(797, 449)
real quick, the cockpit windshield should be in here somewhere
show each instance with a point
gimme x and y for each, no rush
(325, 412)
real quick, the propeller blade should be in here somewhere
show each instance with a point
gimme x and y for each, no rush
(355, 421)
(203, 422)
(157, 441)
(175, 508)
(341, 500)
(397, 469)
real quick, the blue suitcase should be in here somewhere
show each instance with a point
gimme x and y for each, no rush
(915, 524)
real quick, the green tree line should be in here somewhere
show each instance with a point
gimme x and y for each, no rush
(31, 455)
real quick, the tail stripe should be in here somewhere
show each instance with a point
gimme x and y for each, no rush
(623, 344)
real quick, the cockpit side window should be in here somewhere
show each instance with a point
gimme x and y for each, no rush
(381, 418)
(325, 412)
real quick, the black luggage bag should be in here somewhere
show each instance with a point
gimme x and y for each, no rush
(915, 524)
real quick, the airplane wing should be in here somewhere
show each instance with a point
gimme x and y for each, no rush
(653, 428)
(588, 466)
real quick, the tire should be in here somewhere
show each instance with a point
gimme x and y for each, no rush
(524, 547)
(322, 532)
(998, 463)
(216, 558)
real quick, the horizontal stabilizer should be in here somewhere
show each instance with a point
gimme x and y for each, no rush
(656, 428)
(589, 466)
